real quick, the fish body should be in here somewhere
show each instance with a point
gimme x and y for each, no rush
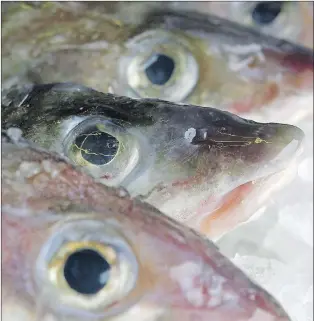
(176, 55)
(58, 223)
(175, 156)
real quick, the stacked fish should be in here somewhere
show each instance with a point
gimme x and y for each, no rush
(101, 186)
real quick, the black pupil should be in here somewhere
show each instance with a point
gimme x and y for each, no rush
(97, 147)
(86, 271)
(266, 12)
(160, 70)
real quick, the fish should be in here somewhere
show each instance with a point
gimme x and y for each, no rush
(289, 20)
(74, 249)
(144, 51)
(183, 159)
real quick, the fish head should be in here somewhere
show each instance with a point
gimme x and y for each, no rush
(293, 21)
(206, 60)
(175, 55)
(77, 250)
(152, 147)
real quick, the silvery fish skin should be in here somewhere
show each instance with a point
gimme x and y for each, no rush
(142, 265)
(161, 150)
(175, 55)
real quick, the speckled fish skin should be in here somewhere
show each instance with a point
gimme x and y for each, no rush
(181, 150)
(218, 62)
(180, 274)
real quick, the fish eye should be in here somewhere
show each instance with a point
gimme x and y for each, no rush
(87, 266)
(96, 147)
(86, 271)
(84, 267)
(270, 17)
(159, 64)
(159, 69)
(266, 12)
(106, 150)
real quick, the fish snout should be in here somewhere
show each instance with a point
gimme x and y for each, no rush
(283, 133)
(251, 148)
(225, 129)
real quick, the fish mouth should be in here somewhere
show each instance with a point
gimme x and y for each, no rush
(250, 141)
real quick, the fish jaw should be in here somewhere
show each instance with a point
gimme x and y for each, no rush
(195, 283)
(237, 206)
(241, 155)
(232, 151)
